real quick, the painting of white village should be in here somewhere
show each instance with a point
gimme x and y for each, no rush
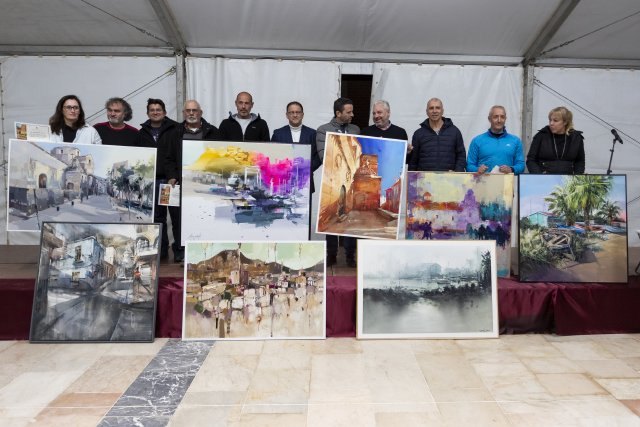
(573, 228)
(96, 282)
(78, 183)
(254, 290)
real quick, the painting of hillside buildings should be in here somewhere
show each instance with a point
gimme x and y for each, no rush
(245, 191)
(96, 282)
(427, 289)
(361, 186)
(462, 206)
(254, 290)
(78, 183)
(573, 228)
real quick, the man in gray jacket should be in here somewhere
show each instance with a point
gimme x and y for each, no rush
(341, 123)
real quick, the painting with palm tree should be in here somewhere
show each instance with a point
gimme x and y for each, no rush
(573, 228)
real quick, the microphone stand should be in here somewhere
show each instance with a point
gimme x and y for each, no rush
(613, 147)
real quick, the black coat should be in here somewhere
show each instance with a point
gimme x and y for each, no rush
(173, 158)
(556, 154)
(442, 151)
(257, 130)
(169, 134)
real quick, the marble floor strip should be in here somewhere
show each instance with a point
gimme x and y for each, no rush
(154, 396)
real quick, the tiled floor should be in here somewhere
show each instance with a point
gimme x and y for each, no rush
(525, 380)
(521, 380)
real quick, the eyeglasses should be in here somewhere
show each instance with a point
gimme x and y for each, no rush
(191, 110)
(71, 107)
(293, 113)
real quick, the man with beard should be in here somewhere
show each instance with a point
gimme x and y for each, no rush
(115, 131)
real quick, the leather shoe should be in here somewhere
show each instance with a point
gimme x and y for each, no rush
(331, 261)
(351, 263)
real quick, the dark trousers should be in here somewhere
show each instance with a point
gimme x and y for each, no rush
(160, 215)
(349, 246)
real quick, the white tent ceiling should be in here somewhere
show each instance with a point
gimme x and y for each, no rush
(494, 31)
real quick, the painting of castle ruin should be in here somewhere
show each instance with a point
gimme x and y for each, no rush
(427, 289)
(462, 206)
(361, 186)
(96, 282)
(245, 191)
(51, 181)
(254, 290)
(573, 228)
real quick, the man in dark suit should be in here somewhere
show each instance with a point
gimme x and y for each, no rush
(296, 132)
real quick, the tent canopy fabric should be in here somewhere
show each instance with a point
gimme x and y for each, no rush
(498, 31)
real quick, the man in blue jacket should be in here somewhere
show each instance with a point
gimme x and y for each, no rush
(438, 144)
(496, 150)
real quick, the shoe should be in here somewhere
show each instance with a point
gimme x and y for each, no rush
(178, 255)
(351, 263)
(164, 256)
(331, 260)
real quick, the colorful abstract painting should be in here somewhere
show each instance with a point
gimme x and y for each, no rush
(245, 191)
(573, 228)
(427, 289)
(96, 282)
(462, 206)
(361, 186)
(51, 181)
(254, 290)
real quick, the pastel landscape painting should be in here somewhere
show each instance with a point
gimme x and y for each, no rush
(573, 228)
(462, 206)
(254, 290)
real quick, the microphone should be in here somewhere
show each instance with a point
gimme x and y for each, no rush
(616, 137)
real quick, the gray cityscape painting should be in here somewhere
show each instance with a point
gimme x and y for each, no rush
(427, 289)
(50, 181)
(96, 282)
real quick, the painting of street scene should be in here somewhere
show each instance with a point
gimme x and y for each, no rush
(427, 289)
(245, 191)
(254, 290)
(462, 206)
(573, 228)
(96, 282)
(51, 181)
(361, 186)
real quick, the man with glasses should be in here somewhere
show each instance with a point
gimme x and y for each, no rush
(161, 132)
(295, 131)
(193, 127)
(244, 125)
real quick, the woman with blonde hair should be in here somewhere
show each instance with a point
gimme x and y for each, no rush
(557, 148)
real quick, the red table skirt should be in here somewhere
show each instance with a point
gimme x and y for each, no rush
(564, 309)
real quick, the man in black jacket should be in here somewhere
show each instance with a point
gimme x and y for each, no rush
(193, 127)
(244, 125)
(438, 144)
(161, 133)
